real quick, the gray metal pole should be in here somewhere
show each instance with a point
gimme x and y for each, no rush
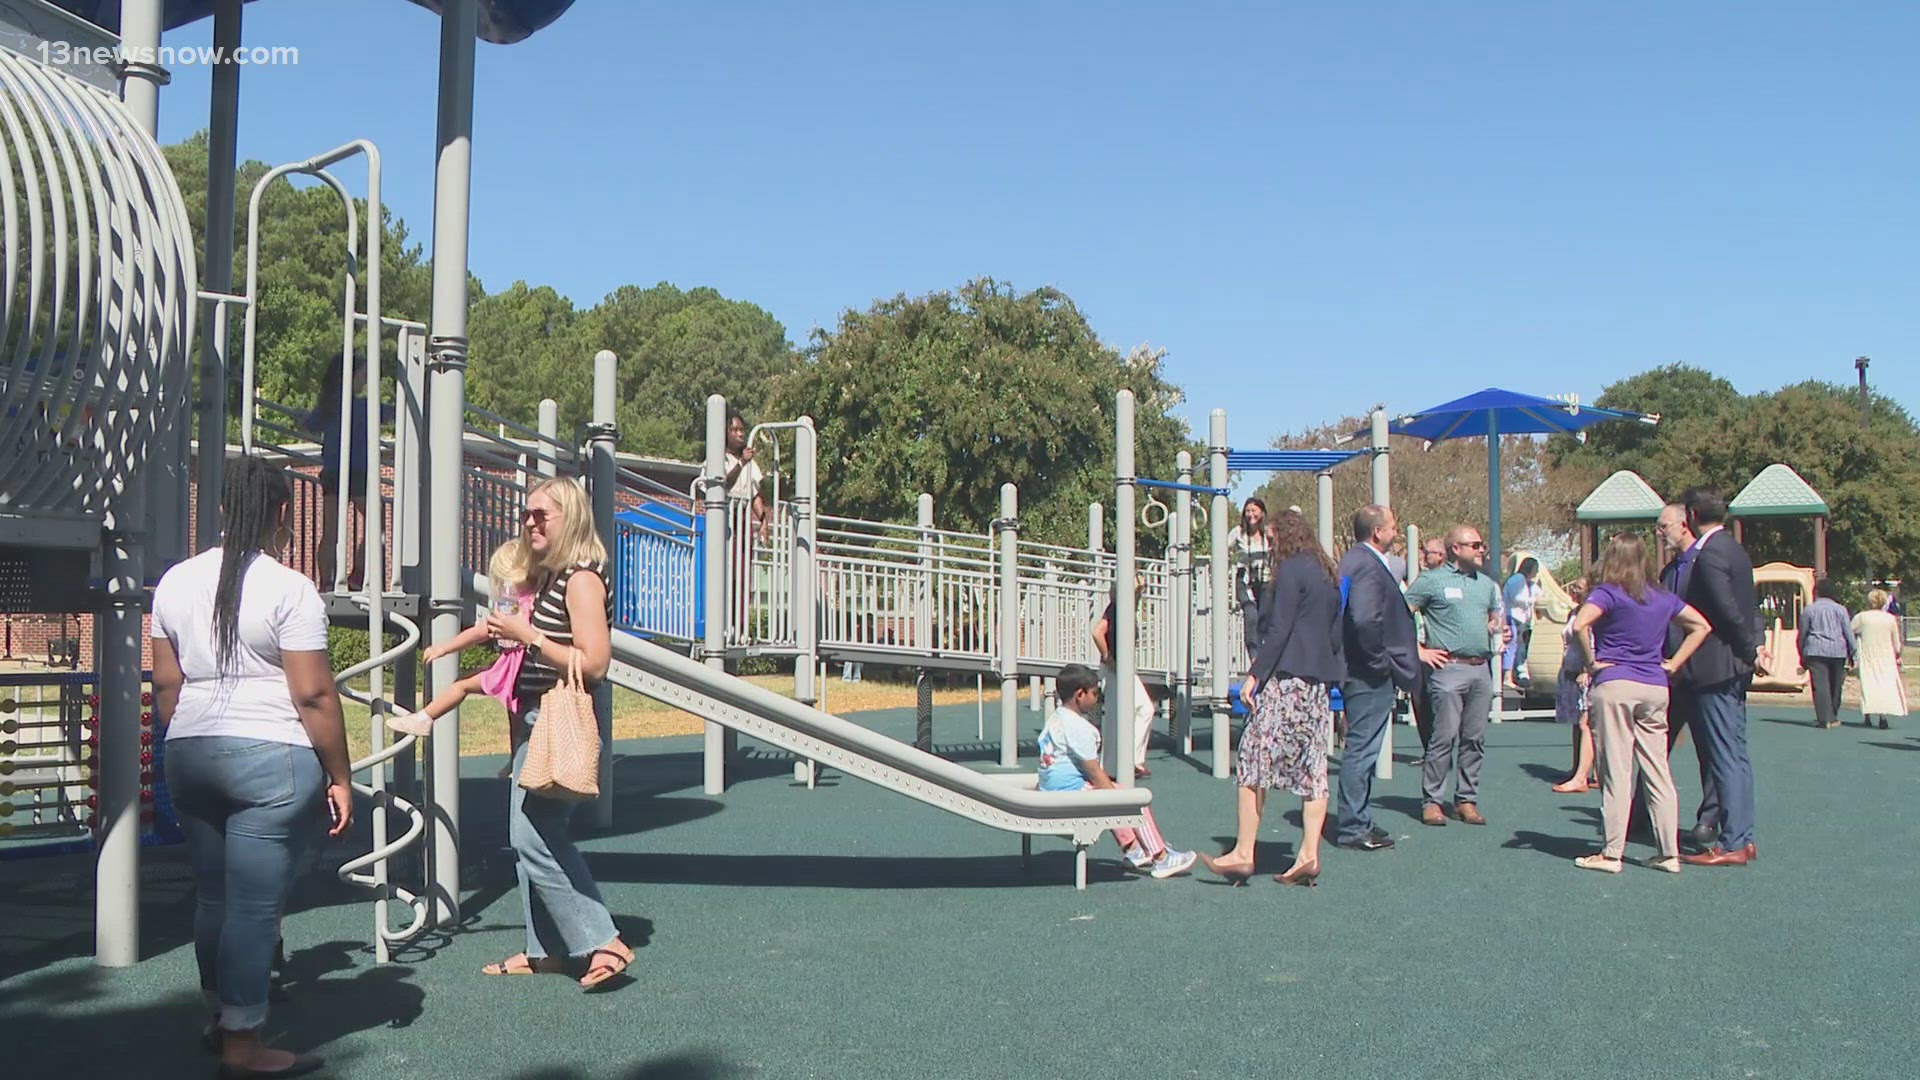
(1009, 625)
(1126, 653)
(1413, 553)
(409, 527)
(1382, 489)
(1221, 667)
(1096, 528)
(923, 603)
(714, 487)
(804, 579)
(1323, 504)
(549, 427)
(446, 422)
(604, 436)
(1181, 554)
(223, 141)
(163, 475)
(119, 628)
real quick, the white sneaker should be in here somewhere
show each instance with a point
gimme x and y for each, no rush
(1598, 861)
(1138, 858)
(1173, 863)
(417, 724)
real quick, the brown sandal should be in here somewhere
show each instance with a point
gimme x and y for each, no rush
(600, 971)
(526, 965)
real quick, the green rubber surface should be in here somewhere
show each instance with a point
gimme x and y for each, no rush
(849, 932)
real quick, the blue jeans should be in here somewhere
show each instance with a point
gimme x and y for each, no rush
(1369, 710)
(1722, 729)
(250, 809)
(558, 898)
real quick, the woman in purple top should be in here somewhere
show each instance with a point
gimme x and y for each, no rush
(1622, 631)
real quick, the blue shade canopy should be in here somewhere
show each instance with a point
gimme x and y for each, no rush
(502, 22)
(1509, 413)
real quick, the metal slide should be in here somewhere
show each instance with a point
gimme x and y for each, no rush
(1005, 802)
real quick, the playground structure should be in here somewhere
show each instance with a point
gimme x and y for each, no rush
(696, 585)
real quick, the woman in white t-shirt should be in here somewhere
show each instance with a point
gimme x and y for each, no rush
(256, 750)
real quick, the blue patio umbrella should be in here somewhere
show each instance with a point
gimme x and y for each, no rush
(1491, 413)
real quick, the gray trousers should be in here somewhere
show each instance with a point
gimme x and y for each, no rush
(1462, 700)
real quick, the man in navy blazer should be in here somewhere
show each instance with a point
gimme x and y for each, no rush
(1715, 575)
(1382, 653)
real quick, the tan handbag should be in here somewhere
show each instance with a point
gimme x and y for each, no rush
(563, 752)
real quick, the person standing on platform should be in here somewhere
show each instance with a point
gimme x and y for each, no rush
(1715, 576)
(1466, 624)
(1827, 650)
(1247, 554)
(1382, 654)
(1522, 594)
(1878, 632)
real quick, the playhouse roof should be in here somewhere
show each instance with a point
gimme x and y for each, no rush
(1778, 492)
(1620, 497)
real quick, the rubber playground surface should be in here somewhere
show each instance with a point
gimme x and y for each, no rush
(850, 932)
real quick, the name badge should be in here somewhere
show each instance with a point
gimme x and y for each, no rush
(1455, 594)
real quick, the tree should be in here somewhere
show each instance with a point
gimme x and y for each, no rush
(1677, 393)
(675, 349)
(955, 393)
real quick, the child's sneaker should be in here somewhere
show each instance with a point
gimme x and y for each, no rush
(1172, 863)
(417, 724)
(1138, 858)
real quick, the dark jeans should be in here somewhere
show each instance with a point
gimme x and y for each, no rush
(1723, 730)
(249, 809)
(1683, 714)
(1828, 674)
(1369, 711)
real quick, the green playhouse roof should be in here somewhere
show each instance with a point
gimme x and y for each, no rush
(1778, 492)
(1621, 497)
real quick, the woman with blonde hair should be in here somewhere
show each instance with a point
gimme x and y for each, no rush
(1627, 695)
(571, 622)
(1877, 633)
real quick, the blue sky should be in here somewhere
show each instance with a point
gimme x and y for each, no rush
(1312, 207)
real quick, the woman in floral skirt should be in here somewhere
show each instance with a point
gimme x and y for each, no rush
(1285, 741)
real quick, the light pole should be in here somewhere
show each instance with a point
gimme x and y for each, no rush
(1860, 365)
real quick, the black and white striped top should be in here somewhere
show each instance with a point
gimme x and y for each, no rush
(550, 618)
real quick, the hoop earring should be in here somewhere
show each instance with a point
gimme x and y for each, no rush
(283, 538)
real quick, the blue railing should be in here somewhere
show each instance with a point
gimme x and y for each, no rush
(659, 565)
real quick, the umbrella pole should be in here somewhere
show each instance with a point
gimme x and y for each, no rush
(1497, 560)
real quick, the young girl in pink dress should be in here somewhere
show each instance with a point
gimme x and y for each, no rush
(511, 569)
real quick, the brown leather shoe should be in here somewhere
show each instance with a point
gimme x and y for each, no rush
(1719, 856)
(1431, 814)
(1470, 814)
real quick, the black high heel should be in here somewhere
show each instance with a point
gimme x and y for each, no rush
(1306, 874)
(1234, 878)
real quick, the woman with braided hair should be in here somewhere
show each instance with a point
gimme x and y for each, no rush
(256, 748)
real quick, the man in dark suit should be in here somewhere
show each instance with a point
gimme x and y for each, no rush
(1381, 653)
(1682, 716)
(1715, 575)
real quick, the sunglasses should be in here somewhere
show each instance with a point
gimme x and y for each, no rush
(1477, 545)
(535, 517)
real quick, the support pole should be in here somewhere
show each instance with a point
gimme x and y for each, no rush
(1496, 561)
(1096, 528)
(223, 140)
(1382, 488)
(1221, 575)
(119, 627)
(446, 421)
(714, 485)
(548, 464)
(602, 438)
(804, 579)
(1323, 504)
(1181, 554)
(1009, 526)
(1126, 652)
(923, 599)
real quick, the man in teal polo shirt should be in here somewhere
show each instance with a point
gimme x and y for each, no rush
(1461, 607)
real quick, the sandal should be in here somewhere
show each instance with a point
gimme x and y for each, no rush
(601, 971)
(517, 964)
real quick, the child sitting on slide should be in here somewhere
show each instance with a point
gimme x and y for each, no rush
(1070, 761)
(511, 569)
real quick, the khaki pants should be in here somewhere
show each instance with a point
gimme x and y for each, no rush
(1629, 730)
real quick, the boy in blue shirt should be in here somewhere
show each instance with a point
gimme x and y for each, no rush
(1070, 761)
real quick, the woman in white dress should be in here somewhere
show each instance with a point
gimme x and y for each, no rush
(1882, 692)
